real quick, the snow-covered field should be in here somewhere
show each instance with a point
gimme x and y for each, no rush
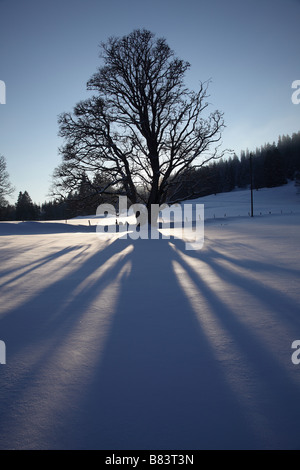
(121, 344)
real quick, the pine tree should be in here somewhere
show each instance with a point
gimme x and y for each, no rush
(25, 209)
(274, 168)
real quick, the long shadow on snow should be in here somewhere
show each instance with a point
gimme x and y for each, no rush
(26, 329)
(32, 266)
(158, 384)
(272, 392)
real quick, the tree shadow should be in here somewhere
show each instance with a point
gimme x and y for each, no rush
(271, 384)
(36, 264)
(159, 384)
(34, 340)
(131, 361)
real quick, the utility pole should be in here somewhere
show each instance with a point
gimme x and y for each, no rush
(251, 183)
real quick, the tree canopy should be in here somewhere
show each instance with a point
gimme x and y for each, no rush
(142, 129)
(6, 188)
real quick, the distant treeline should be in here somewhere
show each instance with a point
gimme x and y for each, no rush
(272, 165)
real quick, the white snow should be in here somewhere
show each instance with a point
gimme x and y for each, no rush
(122, 344)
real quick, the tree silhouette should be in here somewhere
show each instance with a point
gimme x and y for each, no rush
(274, 168)
(25, 209)
(142, 129)
(6, 189)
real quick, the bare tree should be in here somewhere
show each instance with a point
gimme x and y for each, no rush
(6, 189)
(142, 129)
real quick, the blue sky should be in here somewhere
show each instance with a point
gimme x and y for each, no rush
(49, 50)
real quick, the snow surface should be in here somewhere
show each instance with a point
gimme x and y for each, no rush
(122, 344)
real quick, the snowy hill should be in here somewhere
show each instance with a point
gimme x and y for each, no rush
(266, 201)
(121, 344)
(282, 199)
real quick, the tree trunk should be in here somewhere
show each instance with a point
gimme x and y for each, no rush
(153, 199)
